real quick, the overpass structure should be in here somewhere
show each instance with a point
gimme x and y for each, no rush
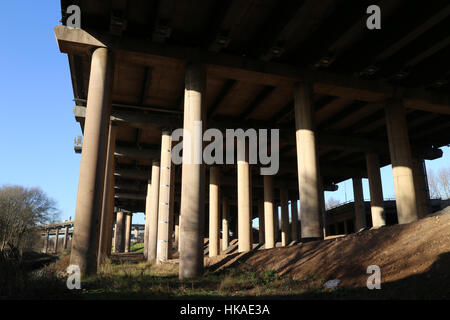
(121, 239)
(346, 100)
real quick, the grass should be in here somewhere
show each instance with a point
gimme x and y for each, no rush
(128, 279)
(118, 279)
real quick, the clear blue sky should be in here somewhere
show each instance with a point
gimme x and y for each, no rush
(37, 124)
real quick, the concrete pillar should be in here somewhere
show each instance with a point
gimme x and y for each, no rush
(360, 211)
(107, 215)
(193, 175)
(225, 225)
(66, 237)
(400, 152)
(261, 222)
(307, 163)
(55, 248)
(47, 235)
(136, 233)
(177, 232)
(284, 199)
(269, 212)
(93, 162)
(111, 222)
(345, 227)
(171, 210)
(214, 214)
(322, 210)
(421, 187)
(376, 190)
(128, 222)
(119, 232)
(162, 253)
(276, 222)
(244, 200)
(294, 220)
(153, 214)
(147, 217)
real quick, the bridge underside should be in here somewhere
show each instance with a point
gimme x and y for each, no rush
(369, 97)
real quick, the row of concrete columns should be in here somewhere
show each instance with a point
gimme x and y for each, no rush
(95, 190)
(56, 242)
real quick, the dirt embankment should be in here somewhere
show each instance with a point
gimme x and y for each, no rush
(410, 256)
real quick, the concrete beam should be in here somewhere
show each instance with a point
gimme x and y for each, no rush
(79, 42)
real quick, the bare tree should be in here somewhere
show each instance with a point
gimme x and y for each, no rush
(332, 203)
(21, 210)
(439, 183)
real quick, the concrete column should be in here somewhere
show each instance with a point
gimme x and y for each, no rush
(294, 220)
(214, 214)
(360, 211)
(193, 175)
(147, 217)
(284, 199)
(55, 248)
(47, 235)
(376, 190)
(261, 222)
(400, 152)
(107, 215)
(136, 233)
(307, 163)
(93, 162)
(128, 222)
(66, 237)
(171, 210)
(244, 200)
(111, 209)
(225, 225)
(177, 232)
(269, 211)
(276, 222)
(163, 249)
(153, 214)
(421, 187)
(119, 232)
(345, 227)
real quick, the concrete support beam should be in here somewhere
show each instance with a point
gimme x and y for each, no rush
(294, 220)
(128, 218)
(93, 163)
(307, 163)
(421, 187)
(153, 212)
(193, 176)
(376, 190)
(55, 248)
(269, 212)
(214, 214)
(244, 200)
(162, 253)
(261, 231)
(66, 237)
(107, 215)
(171, 210)
(79, 42)
(285, 234)
(360, 212)
(400, 151)
(119, 232)
(225, 224)
(47, 235)
(147, 217)
(177, 232)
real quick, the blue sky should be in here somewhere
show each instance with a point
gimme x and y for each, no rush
(37, 123)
